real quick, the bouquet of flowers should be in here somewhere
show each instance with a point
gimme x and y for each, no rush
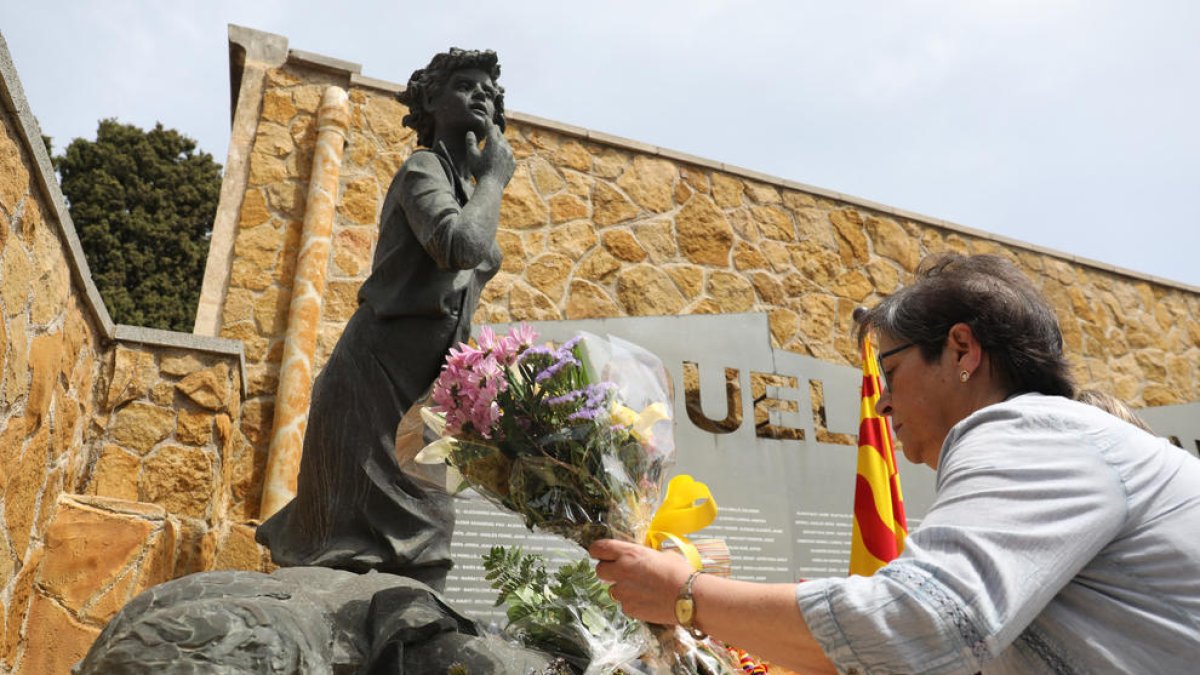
(574, 438)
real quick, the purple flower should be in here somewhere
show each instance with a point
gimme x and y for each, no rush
(562, 358)
(589, 414)
(598, 393)
(468, 388)
(540, 350)
(569, 397)
(550, 371)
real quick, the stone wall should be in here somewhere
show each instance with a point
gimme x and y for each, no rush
(141, 497)
(595, 226)
(120, 453)
(48, 344)
(165, 434)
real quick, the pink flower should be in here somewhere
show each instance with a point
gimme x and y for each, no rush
(473, 377)
(487, 339)
(464, 355)
(488, 373)
(518, 340)
(483, 417)
(524, 334)
(508, 347)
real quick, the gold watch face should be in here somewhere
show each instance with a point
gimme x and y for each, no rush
(684, 608)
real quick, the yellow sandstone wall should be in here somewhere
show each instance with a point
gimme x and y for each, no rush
(165, 434)
(119, 446)
(595, 226)
(49, 346)
(140, 497)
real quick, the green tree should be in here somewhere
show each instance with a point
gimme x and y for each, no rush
(143, 203)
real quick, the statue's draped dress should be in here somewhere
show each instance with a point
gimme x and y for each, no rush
(354, 508)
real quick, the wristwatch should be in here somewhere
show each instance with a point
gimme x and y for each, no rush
(685, 608)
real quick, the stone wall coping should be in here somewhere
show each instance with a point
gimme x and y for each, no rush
(354, 71)
(154, 337)
(322, 62)
(259, 45)
(358, 80)
(249, 48)
(12, 97)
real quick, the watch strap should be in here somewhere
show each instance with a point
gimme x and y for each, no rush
(685, 593)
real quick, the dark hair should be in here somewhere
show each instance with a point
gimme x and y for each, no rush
(428, 82)
(1011, 320)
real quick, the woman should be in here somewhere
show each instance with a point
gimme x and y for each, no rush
(354, 509)
(1061, 538)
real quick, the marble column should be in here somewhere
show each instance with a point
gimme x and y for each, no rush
(304, 313)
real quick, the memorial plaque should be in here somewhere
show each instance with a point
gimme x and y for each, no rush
(1179, 423)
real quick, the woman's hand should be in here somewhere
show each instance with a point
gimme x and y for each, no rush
(645, 581)
(495, 160)
(763, 619)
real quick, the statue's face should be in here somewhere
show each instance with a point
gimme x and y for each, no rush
(466, 103)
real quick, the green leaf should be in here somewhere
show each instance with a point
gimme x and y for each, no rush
(565, 614)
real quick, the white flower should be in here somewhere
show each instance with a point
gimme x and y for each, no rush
(455, 482)
(436, 452)
(434, 420)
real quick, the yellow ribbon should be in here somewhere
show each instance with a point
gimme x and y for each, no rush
(687, 506)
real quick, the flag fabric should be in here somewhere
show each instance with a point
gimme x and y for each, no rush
(748, 663)
(879, 523)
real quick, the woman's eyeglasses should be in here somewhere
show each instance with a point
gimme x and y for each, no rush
(887, 383)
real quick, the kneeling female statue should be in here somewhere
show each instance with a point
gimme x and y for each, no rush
(354, 509)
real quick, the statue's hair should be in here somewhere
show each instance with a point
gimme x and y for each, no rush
(427, 83)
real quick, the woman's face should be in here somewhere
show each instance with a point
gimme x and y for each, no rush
(919, 398)
(467, 102)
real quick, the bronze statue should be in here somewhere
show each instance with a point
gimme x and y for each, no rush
(354, 509)
(298, 621)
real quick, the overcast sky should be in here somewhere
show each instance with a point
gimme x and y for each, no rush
(1072, 124)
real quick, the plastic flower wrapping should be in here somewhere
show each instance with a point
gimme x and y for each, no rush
(576, 439)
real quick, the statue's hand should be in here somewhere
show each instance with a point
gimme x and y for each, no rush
(495, 160)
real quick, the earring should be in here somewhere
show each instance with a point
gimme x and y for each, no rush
(963, 376)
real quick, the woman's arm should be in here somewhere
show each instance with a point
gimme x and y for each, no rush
(763, 619)
(1020, 511)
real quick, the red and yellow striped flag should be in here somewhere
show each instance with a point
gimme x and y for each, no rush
(879, 524)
